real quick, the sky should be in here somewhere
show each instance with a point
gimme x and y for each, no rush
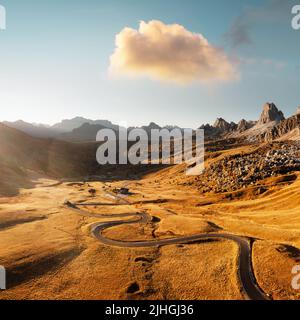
(177, 62)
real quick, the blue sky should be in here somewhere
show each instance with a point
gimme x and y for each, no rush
(54, 60)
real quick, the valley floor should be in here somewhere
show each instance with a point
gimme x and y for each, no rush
(49, 253)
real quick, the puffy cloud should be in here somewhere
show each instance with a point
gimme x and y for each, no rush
(169, 53)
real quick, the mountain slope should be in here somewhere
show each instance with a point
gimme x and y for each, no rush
(21, 154)
(288, 129)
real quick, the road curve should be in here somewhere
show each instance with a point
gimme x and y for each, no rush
(245, 269)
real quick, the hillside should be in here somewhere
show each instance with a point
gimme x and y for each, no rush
(21, 154)
(65, 263)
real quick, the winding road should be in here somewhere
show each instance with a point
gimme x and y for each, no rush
(245, 269)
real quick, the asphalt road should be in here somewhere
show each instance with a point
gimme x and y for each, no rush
(245, 269)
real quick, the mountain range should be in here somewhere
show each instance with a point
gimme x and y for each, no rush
(47, 150)
(271, 125)
(62, 130)
(78, 129)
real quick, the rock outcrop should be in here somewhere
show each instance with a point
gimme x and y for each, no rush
(251, 130)
(223, 126)
(270, 114)
(244, 125)
(269, 118)
(209, 131)
(240, 171)
(288, 129)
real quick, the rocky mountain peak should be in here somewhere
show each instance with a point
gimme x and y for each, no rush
(243, 125)
(153, 125)
(270, 114)
(221, 124)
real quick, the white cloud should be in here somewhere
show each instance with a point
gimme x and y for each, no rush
(169, 53)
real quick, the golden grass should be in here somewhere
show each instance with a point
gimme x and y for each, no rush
(50, 254)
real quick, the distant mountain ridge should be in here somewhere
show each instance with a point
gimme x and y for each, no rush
(77, 129)
(270, 125)
(69, 125)
(62, 130)
(86, 132)
(34, 130)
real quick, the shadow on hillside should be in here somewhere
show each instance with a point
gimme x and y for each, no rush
(27, 271)
(13, 179)
(16, 222)
(292, 252)
(111, 173)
